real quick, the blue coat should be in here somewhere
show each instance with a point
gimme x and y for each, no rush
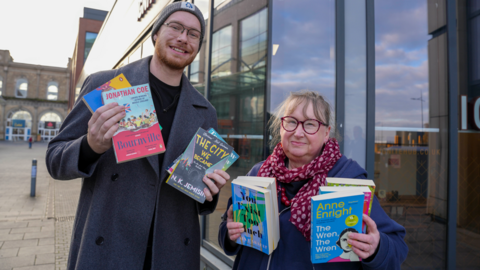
(293, 251)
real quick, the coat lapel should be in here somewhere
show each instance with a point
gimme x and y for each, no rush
(187, 119)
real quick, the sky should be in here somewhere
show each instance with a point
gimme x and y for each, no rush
(43, 32)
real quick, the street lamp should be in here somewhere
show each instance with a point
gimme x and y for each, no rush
(421, 104)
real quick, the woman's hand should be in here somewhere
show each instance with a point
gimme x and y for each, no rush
(235, 229)
(365, 245)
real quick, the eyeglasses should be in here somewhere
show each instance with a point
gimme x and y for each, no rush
(310, 126)
(179, 28)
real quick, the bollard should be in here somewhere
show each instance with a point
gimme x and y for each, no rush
(34, 178)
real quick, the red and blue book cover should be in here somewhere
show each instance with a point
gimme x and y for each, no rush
(139, 133)
(93, 100)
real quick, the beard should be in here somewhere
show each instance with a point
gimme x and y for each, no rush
(170, 61)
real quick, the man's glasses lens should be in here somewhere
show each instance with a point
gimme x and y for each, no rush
(192, 33)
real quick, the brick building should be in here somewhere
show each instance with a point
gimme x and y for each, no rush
(88, 28)
(33, 99)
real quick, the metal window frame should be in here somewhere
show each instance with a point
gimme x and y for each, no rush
(452, 196)
(340, 71)
(370, 98)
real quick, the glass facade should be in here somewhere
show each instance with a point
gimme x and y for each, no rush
(237, 89)
(260, 50)
(411, 126)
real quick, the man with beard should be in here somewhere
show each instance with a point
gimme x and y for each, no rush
(127, 217)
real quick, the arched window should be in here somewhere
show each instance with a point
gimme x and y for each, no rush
(51, 117)
(21, 88)
(1, 85)
(52, 91)
(19, 115)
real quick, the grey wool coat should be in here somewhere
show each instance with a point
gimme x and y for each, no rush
(118, 201)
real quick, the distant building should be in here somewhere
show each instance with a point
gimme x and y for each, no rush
(88, 29)
(33, 99)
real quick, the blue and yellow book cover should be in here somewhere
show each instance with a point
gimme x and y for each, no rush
(334, 215)
(249, 207)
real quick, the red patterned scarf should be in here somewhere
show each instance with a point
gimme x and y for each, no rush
(316, 171)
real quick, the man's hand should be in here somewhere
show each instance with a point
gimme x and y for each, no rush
(235, 229)
(102, 126)
(365, 245)
(219, 178)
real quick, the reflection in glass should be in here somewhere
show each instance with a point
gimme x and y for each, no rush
(1, 85)
(355, 81)
(222, 52)
(21, 88)
(475, 48)
(411, 139)
(253, 43)
(194, 70)
(468, 225)
(50, 117)
(52, 91)
(304, 49)
(89, 40)
(236, 93)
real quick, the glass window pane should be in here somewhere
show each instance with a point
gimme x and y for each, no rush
(50, 117)
(89, 40)
(222, 52)
(52, 91)
(355, 81)
(253, 43)
(303, 37)
(411, 129)
(21, 88)
(148, 47)
(238, 97)
(1, 85)
(475, 49)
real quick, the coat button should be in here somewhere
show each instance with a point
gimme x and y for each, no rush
(114, 176)
(187, 241)
(99, 241)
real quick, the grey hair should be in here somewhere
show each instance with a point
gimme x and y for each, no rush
(321, 109)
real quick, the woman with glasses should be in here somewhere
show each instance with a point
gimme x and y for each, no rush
(304, 155)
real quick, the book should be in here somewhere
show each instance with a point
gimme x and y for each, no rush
(253, 207)
(270, 184)
(223, 166)
(136, 138)
(353, 182)
(203, 152)
(366, 201)
(333, 216)
(93, 100)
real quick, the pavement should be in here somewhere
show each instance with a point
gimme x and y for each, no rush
(35, 231)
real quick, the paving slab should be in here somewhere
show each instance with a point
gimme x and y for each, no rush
(20, 243)
(37, 267)
(45, 259)
(25, 251)
(11, 252)
(12, 262)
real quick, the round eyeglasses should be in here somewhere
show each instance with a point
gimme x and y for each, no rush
(310, 126)
(179, 28)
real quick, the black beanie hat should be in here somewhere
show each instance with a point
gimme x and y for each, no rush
(179, 6)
